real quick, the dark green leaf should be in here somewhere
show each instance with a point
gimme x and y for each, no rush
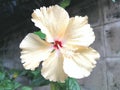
(26, 88)
(40, 34)
(2, 76)
(35, 73)
(40, 82)
(2, 88)
(17, 85)
(36, 78)
(65, 3)
(23, 73)
(9, 86)
(57, 86)
(72, 84)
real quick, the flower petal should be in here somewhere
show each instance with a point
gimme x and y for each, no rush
(52, 68)
(34, 50)
(79, 64)
(52, 21)
(79, 32)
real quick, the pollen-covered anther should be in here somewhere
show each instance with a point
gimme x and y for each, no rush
(57, 44)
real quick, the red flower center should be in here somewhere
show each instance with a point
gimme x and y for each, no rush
(57, 44)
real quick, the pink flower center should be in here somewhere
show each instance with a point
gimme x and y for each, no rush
(57, 44)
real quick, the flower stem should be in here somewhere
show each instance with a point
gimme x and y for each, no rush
(52, 86)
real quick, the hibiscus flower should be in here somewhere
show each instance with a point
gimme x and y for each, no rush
(65, 52)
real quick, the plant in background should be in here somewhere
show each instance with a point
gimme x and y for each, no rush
(65, 3)
(6, 83)
(8, 80)
(62, 46)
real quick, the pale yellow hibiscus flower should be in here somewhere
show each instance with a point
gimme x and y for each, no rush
(65, 52)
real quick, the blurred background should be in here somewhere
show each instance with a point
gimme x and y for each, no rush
(15, 24)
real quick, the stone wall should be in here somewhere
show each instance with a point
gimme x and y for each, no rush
(104, 17)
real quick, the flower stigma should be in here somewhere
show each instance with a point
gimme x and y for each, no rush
(57, 44)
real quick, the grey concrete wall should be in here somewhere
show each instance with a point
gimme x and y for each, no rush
(104, 16)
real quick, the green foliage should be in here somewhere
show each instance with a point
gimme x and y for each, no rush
(57, 86)
(35, 77)
(6, 82)
(8, 79)
(26, 88)
(2, 75)
(40, 34)
(65, 3)
(70, 84)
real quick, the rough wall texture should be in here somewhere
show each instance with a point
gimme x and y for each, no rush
(104, 16)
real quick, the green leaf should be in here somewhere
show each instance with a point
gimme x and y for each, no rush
(2, 76)
(2, 88)
(36, 78)
(40, 34)
(24, 72)
(26, 88)
(40, 82)
(72, 84)
(57, 86)
(65, 3)
(17, 85)
(35, 73)
(9, 86)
